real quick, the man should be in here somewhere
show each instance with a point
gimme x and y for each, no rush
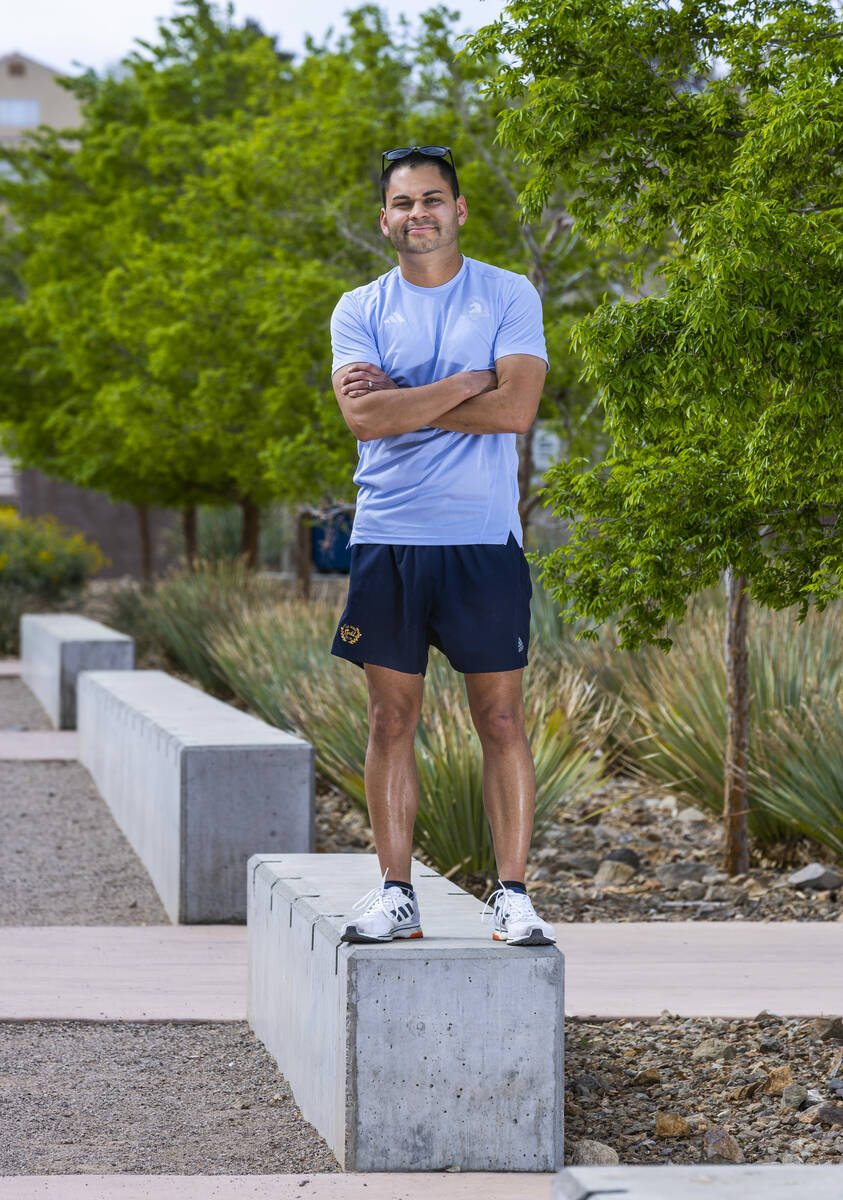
(438, 364)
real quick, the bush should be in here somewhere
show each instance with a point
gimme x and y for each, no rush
(42, 566)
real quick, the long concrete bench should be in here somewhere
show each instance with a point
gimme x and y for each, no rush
(762, 1181)
(196, 786)
(56, 647)
(416, 1055)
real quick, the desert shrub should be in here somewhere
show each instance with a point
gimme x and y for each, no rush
(42, 566)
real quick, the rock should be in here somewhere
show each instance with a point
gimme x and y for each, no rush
(670, 875)
(715, 877)
(751, 1087)
(815, 1096)
(721, 1147)
(830, 1114)
(830, 1029)
(809, 1116)
(587, 1085)
(670, 1124)
(787, 1157)
(713, 1050)
(625, 855)
(583, 864)
(724, 892)
(765, 1017)
(646, 1077)
(587, 1153)
(778, 1079)
(836, 1086)
(794, 1096)
(770, 1045)
(611, 873)
(690, 815)
(817, 877)
(690, 889)
(698, 1123)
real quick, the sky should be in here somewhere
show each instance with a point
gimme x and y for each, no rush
(97, 33)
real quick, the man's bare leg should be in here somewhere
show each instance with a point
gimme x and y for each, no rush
(509, 777)
(392, 783)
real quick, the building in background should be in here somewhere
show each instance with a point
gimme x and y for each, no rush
(30, 96)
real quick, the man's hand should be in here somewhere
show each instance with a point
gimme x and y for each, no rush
(362, 378)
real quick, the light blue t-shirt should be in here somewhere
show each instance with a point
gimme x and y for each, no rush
(433, 487)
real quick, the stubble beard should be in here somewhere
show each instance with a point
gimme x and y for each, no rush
(409, 243)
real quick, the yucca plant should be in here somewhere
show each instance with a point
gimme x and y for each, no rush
(801, 779)
(277, 661)
(188, 609)
(673, 709)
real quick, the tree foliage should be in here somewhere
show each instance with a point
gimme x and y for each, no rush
(713, 134)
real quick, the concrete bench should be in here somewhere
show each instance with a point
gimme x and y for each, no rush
(196, 786)
(55, 647)
(415, 1055)
(764, 1181)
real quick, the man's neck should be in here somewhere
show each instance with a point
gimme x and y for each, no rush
(429, 270)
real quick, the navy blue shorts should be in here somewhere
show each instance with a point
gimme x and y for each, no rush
(471, 602)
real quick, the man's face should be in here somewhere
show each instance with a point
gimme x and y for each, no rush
(421, 213)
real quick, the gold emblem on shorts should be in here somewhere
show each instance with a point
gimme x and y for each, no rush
(350, 634)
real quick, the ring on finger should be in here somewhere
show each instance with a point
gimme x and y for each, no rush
(370, 385)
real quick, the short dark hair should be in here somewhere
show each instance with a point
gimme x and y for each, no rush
(421, 160)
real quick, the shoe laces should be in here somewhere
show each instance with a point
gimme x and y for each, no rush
(514, 904)
(380, 898)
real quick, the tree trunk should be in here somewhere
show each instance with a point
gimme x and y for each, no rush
(304, 554)
(188, 519)
(145, 546)
(735, 824)
(526, 467)
(250, 532)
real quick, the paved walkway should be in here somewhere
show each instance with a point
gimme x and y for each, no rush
(9, 666)
(419, 1186)
(198, 972)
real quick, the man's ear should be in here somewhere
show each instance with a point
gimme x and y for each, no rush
(462, 210)
(384, 226)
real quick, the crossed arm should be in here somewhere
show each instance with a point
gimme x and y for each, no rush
(501, 401)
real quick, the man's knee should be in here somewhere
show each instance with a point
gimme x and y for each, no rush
(500, 726)
(392, 720)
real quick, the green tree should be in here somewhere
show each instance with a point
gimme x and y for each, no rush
(156, 341)
(714, 130)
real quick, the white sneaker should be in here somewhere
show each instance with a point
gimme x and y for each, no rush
(516, 921)
(388, 913)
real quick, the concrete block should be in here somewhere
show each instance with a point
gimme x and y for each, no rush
(55, 647)
(195, 785)
(764, 1181)
(416, 1055)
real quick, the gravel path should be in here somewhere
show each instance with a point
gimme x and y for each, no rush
(184, 1099)
(18, 707)
(63, 861)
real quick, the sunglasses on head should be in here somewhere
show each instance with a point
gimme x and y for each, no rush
(391, 156)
